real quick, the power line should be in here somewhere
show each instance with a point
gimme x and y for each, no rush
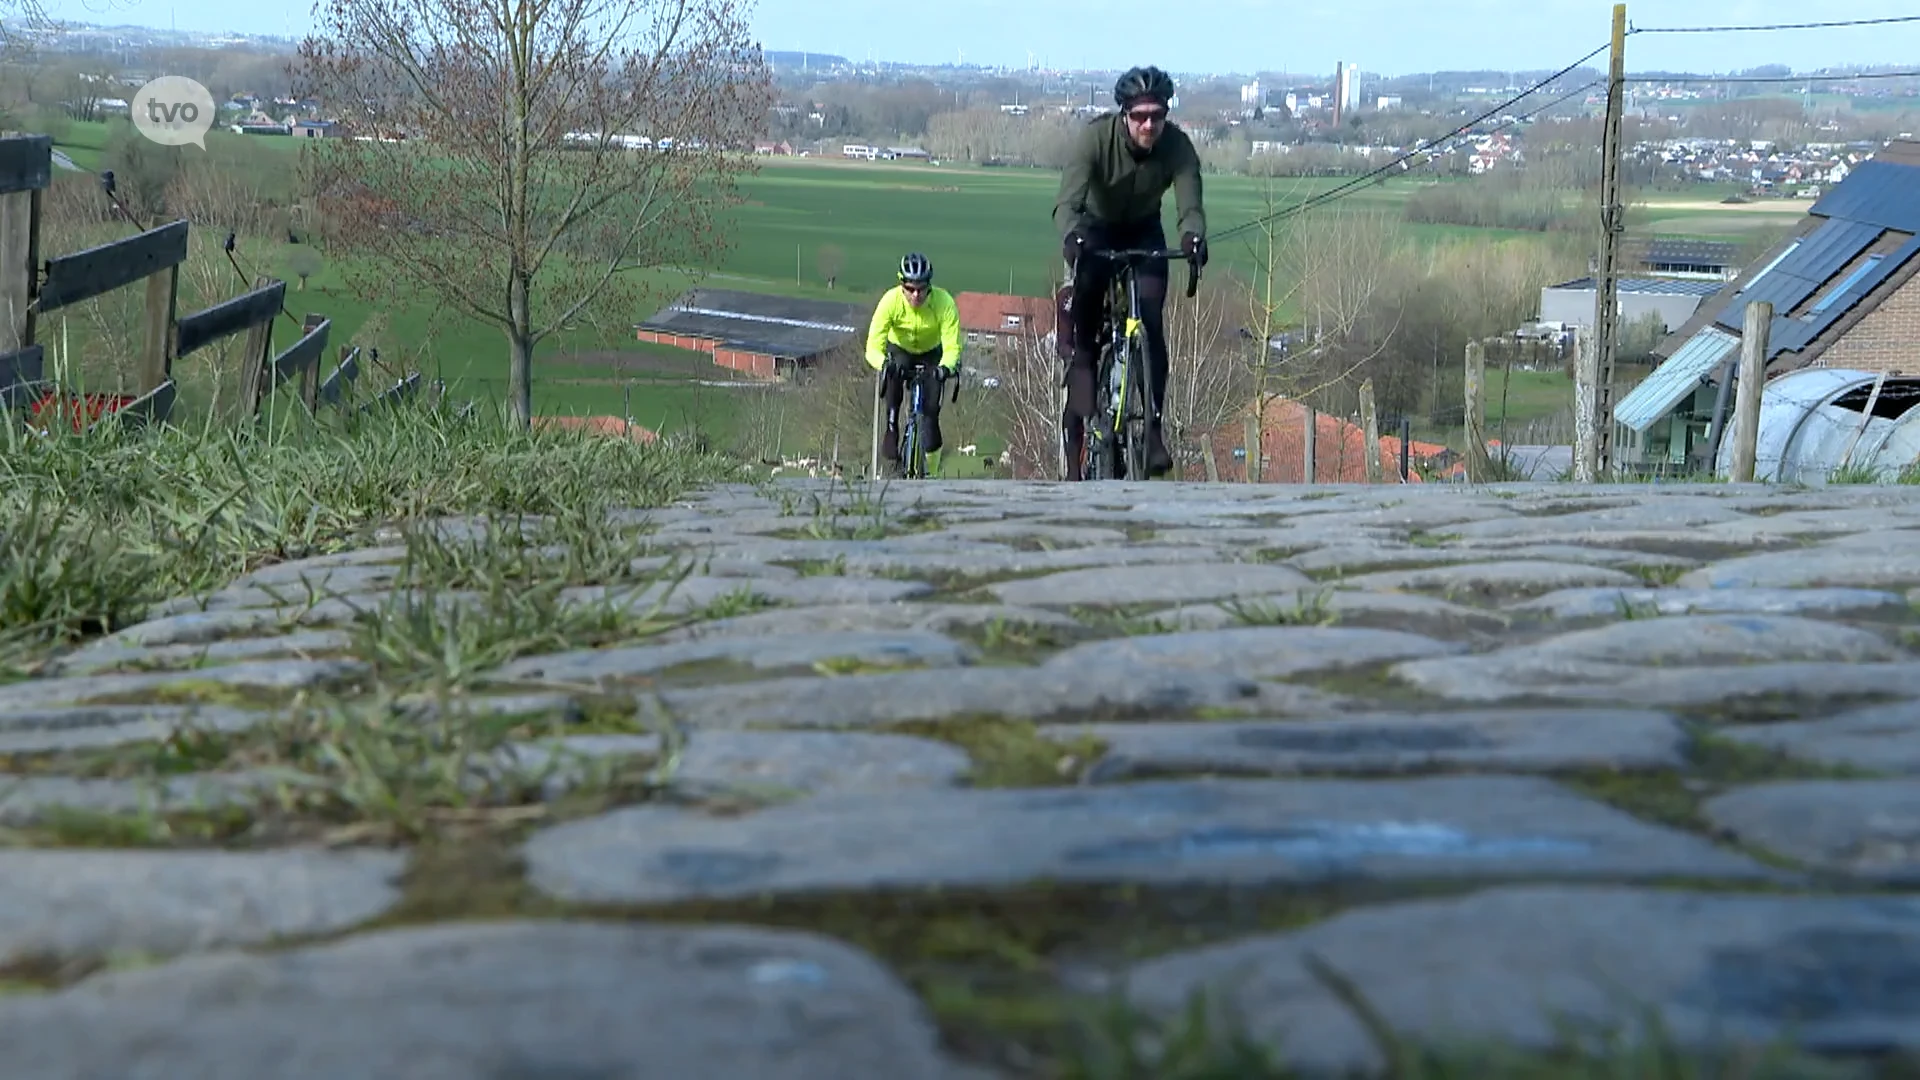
(1772, 26)
(1424, 147)
(1784, 78)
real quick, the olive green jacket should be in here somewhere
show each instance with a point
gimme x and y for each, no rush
(1104, 182)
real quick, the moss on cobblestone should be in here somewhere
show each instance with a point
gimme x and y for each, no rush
(1005, 639)
(990, 963)
(1334, 575)
(1008, 753)
(77, 827)
(216, 692)
(1125, 620)
(1375, 684)
(1714, 765)
(1657, 576)
(1779, 707)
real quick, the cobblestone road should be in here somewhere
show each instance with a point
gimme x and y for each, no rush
(1492, 754)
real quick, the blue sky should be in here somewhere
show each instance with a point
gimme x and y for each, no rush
(1387, 36)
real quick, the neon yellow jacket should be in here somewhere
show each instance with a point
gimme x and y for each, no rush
(936, 322)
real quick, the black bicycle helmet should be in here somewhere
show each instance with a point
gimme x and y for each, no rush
(915, 268)
(1143, 82)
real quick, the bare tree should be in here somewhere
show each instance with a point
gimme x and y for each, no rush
(835, 402)
(218, 198)
(303, 262)
(761, 430)
(505, 173)
(831, 260)
(1029, 401)
(82, 84)
(1271, 289)
(1206, 382)
(1336, 257)
(30, 15)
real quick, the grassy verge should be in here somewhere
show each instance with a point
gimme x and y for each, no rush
(507, 546)
(100, 527)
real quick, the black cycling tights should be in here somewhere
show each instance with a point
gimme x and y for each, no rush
(1091, 278)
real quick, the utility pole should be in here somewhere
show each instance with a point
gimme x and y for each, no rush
(1606, 303)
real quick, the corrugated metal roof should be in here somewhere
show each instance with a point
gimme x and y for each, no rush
(770, 306)
(1672, 381)
(1705, 251)
(1650, 286)
(758, 322)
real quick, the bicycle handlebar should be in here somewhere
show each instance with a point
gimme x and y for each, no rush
(1139, 254)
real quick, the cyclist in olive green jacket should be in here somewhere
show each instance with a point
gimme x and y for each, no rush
(1110, 196)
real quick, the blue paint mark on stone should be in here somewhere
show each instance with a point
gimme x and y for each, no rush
(709, 868)
(776, 972)
(1330, 842)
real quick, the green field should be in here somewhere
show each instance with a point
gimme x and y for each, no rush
(987, 229)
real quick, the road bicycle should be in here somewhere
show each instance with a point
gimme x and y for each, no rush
(1116, 445)
(913, 448)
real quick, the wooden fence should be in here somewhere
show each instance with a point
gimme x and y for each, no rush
(30, 288)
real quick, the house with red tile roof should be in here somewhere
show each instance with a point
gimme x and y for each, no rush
(991, 319)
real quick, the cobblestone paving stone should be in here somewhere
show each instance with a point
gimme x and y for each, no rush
(871, 775)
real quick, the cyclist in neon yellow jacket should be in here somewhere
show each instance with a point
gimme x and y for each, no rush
(915, 333)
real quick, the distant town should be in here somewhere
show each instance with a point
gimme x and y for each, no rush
(1779, 138)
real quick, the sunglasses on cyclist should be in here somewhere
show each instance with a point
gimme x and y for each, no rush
(908, 286)
(1147, 116)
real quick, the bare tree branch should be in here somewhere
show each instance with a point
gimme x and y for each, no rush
(514, 157)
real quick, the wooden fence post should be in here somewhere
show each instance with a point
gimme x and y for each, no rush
(254, 356)
(1312, 427)
(156, 357)
(1753, 376)
(19, 243)
(1370, 425)
(310, 375)
(1586, 403)
(26, 167)
(1250, 438)
(1479, 465)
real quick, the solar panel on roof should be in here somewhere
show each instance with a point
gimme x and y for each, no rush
(1818, 257)
(1877, 192)
(1867, 282)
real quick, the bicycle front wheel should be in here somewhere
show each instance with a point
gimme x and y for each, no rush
(917, 455)
(1133, 426)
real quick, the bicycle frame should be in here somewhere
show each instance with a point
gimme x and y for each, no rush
(1121, 384)
(913, 449)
